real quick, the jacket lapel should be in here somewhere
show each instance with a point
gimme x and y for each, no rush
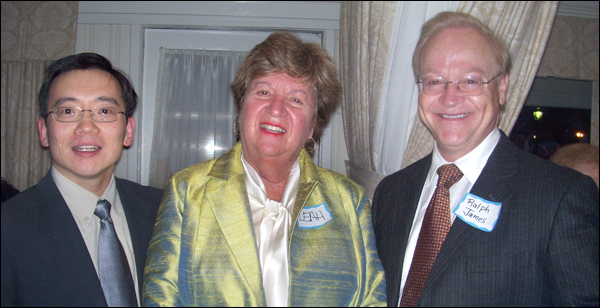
(140, 225)
(228, 199)
(409, 194)
(67, 255)
(494, 184)
(307, 182)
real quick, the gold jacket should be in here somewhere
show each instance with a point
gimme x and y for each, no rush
(203, 250)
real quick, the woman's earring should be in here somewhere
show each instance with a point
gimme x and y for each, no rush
(312, 149)
(237, 132)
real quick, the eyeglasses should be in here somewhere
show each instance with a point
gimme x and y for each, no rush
(74, 114)
(469, 85)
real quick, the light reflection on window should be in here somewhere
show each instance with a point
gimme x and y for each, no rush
(211, 148)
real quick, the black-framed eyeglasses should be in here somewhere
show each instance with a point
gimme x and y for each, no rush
(101, 114)
(468, 85)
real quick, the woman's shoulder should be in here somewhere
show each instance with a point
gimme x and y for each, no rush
(194, 173)
(329, 177)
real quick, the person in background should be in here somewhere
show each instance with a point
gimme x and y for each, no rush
(582, 157)
(501, 227)
(262, 225)
(8, 191)
(80, 236)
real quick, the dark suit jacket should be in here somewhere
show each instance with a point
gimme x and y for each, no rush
(45, 261)
(543, 250)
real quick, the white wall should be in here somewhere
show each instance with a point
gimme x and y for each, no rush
(116, 29)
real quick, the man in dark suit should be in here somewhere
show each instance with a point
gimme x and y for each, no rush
(511, 229)
(54, 242)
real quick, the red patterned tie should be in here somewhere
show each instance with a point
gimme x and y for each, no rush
(436, 225)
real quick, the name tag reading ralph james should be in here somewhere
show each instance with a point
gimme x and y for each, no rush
(314, 216)
(478, 212)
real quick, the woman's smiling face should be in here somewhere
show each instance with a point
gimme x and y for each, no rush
(277, 117)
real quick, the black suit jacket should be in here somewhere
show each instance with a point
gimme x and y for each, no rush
(45, 261)
(543, 250)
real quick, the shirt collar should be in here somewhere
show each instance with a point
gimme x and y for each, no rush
(471, 164)
(81, 201)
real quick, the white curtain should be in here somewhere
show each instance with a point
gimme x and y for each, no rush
(195, 111)
(399, 101)
(379, 100)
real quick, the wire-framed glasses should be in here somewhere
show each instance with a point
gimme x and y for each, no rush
(102, 114)
(468, 85)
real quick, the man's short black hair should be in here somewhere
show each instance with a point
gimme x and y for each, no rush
(84, 61)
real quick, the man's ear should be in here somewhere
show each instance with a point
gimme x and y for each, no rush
(129, 132)
(503, 89)
(43, 130)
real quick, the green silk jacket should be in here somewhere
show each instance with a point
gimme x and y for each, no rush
(203, 250)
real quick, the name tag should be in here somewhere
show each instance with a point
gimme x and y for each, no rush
(314, 217)
(478, 212)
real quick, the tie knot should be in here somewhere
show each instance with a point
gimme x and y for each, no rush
(102, 209)
(449, 174)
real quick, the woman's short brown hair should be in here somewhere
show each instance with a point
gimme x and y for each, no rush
(284, 52)
(445, 20)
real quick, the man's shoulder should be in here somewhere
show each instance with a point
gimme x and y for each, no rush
(537, 174)
(27, 198)
(147, 192)
(22, 210)
(528, 163)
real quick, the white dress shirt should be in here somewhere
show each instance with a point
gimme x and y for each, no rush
(272, 225)
(471, 166)
(82, 204)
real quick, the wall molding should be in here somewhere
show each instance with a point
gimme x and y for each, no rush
(585, 9)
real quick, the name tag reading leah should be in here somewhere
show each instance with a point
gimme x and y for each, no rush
(314, 216)
(478, 212)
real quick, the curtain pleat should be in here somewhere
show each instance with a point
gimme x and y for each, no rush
(377, 39)
(33, 34)
(365, 31)
(24, 160)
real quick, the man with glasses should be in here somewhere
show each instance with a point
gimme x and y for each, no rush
(501, 227)
(80, 236)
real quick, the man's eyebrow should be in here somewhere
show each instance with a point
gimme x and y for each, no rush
(62, 100)
(465, 71)
(107, 99)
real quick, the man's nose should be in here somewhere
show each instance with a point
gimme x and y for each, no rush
(452, 95)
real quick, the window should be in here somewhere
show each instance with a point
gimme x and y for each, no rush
(557, 112)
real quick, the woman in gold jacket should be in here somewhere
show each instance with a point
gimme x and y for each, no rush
(262, 225)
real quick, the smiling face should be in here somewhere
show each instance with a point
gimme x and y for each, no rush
(460, 123)
(276, 118)
(86, 151)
